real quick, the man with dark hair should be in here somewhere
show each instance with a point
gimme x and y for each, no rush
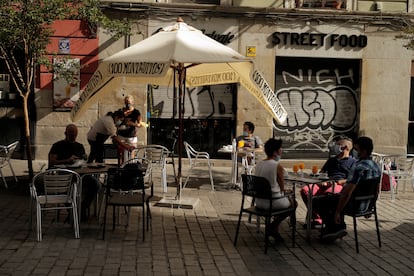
(331, 207)
(250, 141)
(102, 129)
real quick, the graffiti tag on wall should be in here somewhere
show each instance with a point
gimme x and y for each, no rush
(215, 101)
(321, 97)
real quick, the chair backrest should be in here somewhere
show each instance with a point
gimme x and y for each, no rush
(138, 162)
(377, 158)
(171, 145)
(366, 188)
(256, 186)
(57, 182)
(365, 195)
(3, 155)
(130, 177)
(191, 152)
(6, 152)
(404, 164)
(155, 154)
(12, 147)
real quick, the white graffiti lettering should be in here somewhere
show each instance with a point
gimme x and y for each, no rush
(323, 76)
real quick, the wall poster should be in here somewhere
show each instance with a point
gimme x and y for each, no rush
(66, 84)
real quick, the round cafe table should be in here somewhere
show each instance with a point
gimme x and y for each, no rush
(87, 169)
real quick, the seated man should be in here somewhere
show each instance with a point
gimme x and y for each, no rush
(250, 143)
(337, 168)
(330, 207)
(67, 151)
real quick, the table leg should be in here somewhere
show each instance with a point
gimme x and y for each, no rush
(309, 213)
(234, 169)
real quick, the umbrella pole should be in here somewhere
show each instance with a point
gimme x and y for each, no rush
(181, 77)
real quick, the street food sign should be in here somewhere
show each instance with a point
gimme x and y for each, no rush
(319, 40)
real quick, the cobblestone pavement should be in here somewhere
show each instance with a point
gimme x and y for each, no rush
(198, 241)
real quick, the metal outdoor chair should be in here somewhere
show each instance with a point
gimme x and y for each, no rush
(401, 168)
(6, 153)
(156, 156)
(148, 184)
(194, 157)
(258, 187)
(363, 203)
(171, 154)
(125, 188)
(58, 191)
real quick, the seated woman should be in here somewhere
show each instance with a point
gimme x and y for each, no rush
(271, 169)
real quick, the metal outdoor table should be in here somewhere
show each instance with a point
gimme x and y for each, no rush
(233, 153)
(87, 169)
(306, 180)
(243, 153)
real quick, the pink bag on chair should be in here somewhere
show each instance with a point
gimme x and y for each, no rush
(385, 186)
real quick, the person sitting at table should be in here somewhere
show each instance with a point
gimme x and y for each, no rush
(101, 130)
(68, 151)
(337, 169)
(331, 207)
(250, 142)
(271, 169)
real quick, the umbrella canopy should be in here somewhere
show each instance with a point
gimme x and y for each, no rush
(153, 61)
(184, 54)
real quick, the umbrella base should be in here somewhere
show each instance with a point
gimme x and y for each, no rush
(184, 203)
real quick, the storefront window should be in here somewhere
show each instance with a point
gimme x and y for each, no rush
(332, 4)
(209, 117)
(206, 135)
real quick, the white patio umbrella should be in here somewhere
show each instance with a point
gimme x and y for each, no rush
(183, 56)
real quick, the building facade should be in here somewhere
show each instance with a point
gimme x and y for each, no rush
(337, 67)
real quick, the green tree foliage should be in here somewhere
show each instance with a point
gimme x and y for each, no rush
(25, 29)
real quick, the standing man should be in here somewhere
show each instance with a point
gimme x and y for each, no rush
(132, 121)
(66, 152)
(104, 128)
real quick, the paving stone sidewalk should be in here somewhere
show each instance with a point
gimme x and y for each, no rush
(198, 241)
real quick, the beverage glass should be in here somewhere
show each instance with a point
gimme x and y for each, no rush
(240, 144)
(295, 168)
(301, 166)
(314, 169)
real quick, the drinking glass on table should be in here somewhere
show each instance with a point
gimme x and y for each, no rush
(301, 167)
(314, 169)
(295, 168)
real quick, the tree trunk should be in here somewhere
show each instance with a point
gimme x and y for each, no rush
(27, 135)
